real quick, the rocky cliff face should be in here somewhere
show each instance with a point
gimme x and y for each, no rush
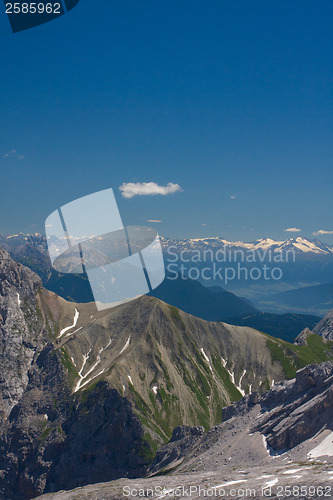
(52, 441)
(292, 411)
(19, 288)
(301, 339)
(325, 326)
(280, 424)
(104, 440)
(324, 329)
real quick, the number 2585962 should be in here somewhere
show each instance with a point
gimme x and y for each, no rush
(33, 8)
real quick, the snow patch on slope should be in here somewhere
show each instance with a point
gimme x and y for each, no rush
(76, 317)
(126, 345)
(324, 448)
(207, 359)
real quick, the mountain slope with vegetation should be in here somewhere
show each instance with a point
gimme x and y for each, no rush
(175, 368)
(77, 384)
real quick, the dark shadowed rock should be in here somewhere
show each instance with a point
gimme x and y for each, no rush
(240, 407)
(183, 439)
(104, 440)
(183, 431)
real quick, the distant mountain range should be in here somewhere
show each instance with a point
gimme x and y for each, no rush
(303, 288)
(298, 263)
(299, 245)
(216, 304)
(209, 303)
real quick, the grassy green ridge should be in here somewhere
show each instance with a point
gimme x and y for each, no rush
(202, 382)
(179, 369)
(294, 357)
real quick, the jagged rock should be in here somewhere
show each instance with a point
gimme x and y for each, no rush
(288, 415)
(296, 410)
(170, 455)
(183, 431)
(301, 338)
(18, 319)
(325, 326)
(104, 440)
(34, 423)
(240, 407)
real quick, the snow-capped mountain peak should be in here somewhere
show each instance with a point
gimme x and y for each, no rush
(298, 245)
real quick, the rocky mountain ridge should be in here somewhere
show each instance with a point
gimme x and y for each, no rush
(18, 305)
(299, 244)
(42, 425)
(174, 367)
(325, 327)
(237, 456)
(84, 384)
(287, 415)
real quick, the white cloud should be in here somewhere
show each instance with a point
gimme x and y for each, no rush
(152, 220)
(232, 197)
(321, 231)
(13, 153)
(293, 230)
(130, 189)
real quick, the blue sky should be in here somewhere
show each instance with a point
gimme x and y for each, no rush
(230, 100)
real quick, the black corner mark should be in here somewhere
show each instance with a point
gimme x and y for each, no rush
(26, 14)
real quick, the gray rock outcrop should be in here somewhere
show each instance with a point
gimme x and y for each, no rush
(325, 326)
(294, 410)
(18, 319)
